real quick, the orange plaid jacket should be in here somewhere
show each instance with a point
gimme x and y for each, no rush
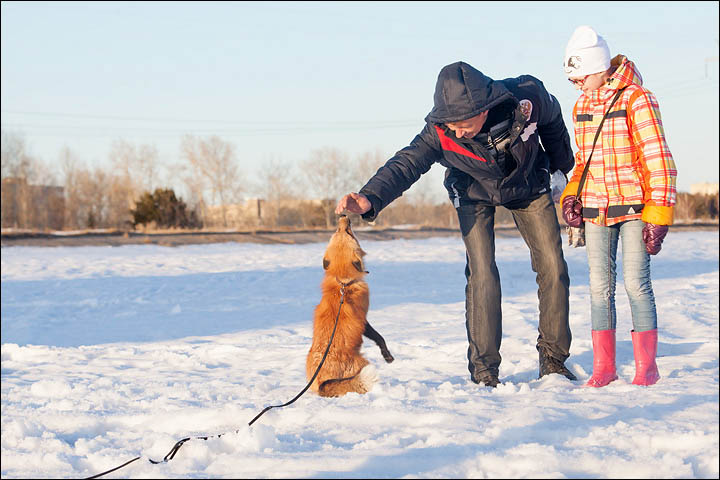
(632, 173)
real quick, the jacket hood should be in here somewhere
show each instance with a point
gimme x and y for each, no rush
(626, 74)
(461, 92)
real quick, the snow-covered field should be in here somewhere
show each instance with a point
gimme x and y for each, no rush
(109, 353)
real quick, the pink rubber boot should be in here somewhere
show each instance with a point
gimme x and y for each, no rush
(645, 350)
(603, 358)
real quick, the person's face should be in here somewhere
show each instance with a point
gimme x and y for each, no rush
(588, 83)
(470, 127)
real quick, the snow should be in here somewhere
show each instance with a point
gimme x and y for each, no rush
(110, 353)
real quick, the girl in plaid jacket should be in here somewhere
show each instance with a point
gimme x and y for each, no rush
(628, 196)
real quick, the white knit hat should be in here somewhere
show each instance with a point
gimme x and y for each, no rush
(586, 53)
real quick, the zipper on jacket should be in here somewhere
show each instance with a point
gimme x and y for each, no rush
(456, 196)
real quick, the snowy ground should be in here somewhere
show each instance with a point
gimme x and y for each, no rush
(109, 353)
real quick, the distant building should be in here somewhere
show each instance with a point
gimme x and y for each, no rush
(705, 188)
(256, 212)
(39, 207)
(248, 214)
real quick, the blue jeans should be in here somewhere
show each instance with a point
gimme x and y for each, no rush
(537, 222)
(601, 244)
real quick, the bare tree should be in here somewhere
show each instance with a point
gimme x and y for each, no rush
(93, 198)
(214, 160)
(135, 170)
(24, 197)
(366, 165)
(193, 186)
(278, 186)
(70, 170)
(93, 191)
(136, 165)
(329, 174)
(88, 193)
(278, 181)
(18, 162)
(420, 193)
(15, 160)
(16, 169)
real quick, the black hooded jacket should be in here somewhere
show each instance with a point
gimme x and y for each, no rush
(475, 173)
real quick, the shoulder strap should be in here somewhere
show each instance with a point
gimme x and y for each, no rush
(597, 134)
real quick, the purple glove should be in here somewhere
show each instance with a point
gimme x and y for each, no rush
(572, 211)
(653, 236)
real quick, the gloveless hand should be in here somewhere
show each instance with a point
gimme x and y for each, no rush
(353, 203)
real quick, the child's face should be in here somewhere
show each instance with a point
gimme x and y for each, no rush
(589, 83)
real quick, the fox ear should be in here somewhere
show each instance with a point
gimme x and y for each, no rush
(326, 263)
(358, 265)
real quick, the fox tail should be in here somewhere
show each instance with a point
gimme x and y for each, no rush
(362, 382)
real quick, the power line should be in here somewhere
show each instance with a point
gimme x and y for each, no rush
(219, 122)
(99, 131)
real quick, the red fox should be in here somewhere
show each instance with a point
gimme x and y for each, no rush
(345, 369)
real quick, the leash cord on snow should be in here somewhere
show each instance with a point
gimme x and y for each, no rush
(171, 454)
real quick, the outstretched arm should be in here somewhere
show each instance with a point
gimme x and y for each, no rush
(401, 171)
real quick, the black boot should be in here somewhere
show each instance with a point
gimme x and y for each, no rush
(487, 378)
(550, 364)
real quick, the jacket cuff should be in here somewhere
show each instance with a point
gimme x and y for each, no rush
(657, 214)
(371, 214)
(570, 189)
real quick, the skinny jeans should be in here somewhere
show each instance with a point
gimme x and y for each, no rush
(602, 245)
(537, 222)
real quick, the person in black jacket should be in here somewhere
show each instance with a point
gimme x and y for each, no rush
(488, 133)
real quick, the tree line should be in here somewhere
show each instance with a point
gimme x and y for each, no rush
(206, 189)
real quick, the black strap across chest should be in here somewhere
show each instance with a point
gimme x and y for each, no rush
(597, 134)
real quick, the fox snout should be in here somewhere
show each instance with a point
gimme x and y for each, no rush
(343, 223)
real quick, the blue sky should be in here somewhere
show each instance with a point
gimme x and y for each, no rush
(279, 79)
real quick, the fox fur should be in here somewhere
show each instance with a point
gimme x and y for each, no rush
(345, 369)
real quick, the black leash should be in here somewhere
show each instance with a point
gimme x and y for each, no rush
(171, 454)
